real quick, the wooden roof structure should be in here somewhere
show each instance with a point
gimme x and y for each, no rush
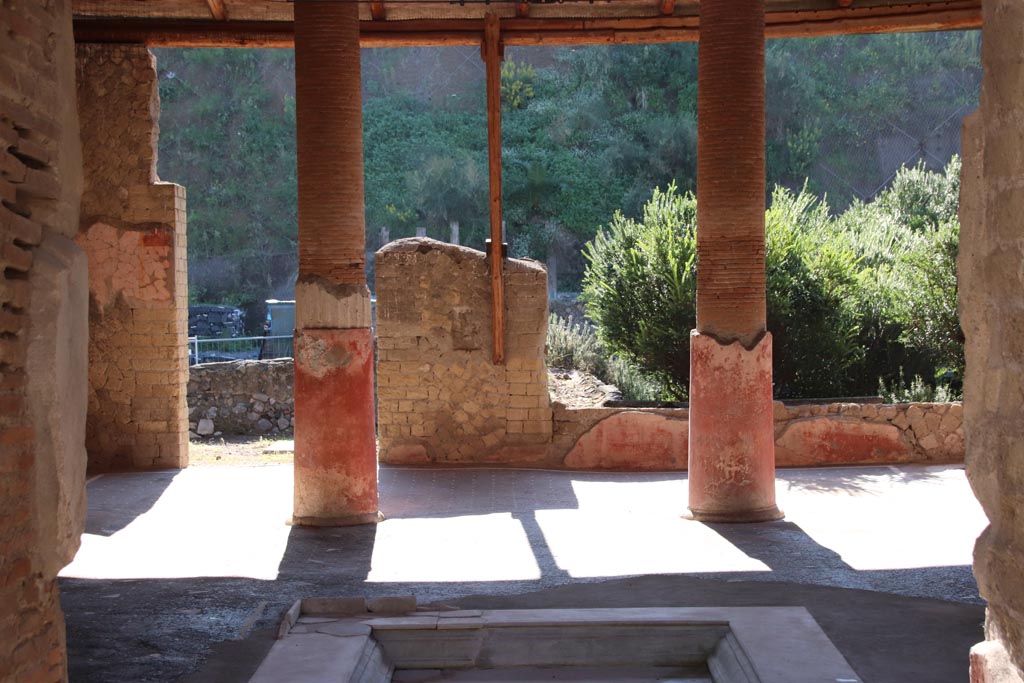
(407, 23)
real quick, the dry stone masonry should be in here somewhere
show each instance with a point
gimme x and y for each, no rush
(440, 398)
(133, 231)
(241, 397)
(43, 329)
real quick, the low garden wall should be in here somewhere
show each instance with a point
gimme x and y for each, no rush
(805, 436)
(255, 398)
(241, 397)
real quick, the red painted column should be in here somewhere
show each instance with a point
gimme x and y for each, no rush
(335, 436)
(732, 443)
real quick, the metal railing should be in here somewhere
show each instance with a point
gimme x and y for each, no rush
(238, 348)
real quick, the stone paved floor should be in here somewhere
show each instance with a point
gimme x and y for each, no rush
(176, 562)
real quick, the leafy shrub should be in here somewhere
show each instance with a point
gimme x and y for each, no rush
(916, 392)
(573, 346)
(576, 347)
(640, 288)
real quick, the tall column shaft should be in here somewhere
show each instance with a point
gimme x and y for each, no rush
(335, 439)
(732, 450)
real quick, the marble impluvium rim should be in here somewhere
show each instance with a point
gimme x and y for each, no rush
(336, 640)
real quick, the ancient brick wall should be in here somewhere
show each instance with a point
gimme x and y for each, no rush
(42, 336)
(991, 278)
(242, 397)
(440, 398)
(133, 231)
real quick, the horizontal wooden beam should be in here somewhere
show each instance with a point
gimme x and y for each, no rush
(217, 9)
(965, 14)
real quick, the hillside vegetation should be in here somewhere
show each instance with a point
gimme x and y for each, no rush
(587, 132)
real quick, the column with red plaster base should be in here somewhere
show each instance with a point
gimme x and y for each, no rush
(732, 445)
(335, 434)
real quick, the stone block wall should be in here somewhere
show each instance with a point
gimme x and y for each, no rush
(133, 230)
(242, 397)
(991, 279)
(440, 399)
(42, 336)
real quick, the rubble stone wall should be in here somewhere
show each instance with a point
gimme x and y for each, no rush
(440, 398)
(133, 230)
(241, 397)
(991, 274)
(42, 336)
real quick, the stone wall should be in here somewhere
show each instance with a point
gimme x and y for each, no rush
(42, 336)
(805, 436)
(440, 398)
(241, 397)
(991, 272)
(133, 230)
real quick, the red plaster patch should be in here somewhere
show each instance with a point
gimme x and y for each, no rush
(837, 441)
(634, 441)
(157, 238)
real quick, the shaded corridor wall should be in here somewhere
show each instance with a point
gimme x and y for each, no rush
(42, 336)
(440, 398)
(133, 230)
(992, 316)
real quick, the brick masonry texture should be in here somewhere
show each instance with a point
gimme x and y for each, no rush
(39, 184)
(133, 230)
(242, 397)
(440, 399)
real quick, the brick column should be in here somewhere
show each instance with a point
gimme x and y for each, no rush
(335, 440)
(732, 451)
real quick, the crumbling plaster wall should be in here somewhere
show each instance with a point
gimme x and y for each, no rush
(42, 336)
(815, 435)
(440, 398)
(991, 271)
(133, 231)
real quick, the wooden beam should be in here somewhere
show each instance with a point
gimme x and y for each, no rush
(492, 66)
(668, 7)
(377, 11)
(522, 9)
(218, 10)
(962, 14)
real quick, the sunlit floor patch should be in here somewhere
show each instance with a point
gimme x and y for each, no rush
(490, 547)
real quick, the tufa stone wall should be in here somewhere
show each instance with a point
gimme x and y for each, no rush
(42, 336)
(133, 230)
(440, 398)
(991, 272)
(241, 397)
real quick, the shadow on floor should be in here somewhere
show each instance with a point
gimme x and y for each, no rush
(216, 630)
(116, 501)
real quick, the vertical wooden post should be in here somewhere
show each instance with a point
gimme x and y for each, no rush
(492, 62)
